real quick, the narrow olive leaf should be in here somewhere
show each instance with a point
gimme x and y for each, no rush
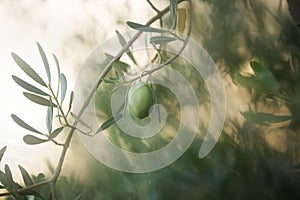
(26, 177)
(58, 72)
(32, 140)
(28, 70)
(45, 61)
(161, 39)
(144, 28)
(113, 78)
(78, 197)
(110, 121)
(123, 43)
(80, 120)
(107, 80)
(24, 125)
(71, 101)
(49, 118)
(3, 179)
(265, 118)
(63, 86)
(9, 177)
(118, 65)
(173, 12)
(28, 86)
(55, 133)
(2, 151)
(38, 99)
(121, 65)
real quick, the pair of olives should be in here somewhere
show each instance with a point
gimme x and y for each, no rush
(140, 99)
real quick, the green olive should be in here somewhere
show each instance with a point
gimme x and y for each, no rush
(140, 99)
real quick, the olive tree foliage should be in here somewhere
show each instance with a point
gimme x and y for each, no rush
(241, 166)
(52, 96)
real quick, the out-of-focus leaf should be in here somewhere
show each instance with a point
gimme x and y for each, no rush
(3, 179)
(28, 70)
(32, 140)
(144, 28)
(80, 120)
(108, 80)
(259, 70)
(113, 78)
(161, 39)
(252, 82)
(9, 177)
(63, 86)
(28, 86)
(121, 65)
(41, 177)
(118, 65)
(265, 118)
(181, 19)
(49, 118)
(45, 61)
(123, 43)
(38, 99)
(78, 197)
(173, 9)
(110, 121)
(265, 76)
(23, 124)
(32, 193)
(248, 81)
(2, 151)
(26, 177)
(55, 133)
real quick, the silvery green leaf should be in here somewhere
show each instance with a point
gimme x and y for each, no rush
(38, 99)
(32, 140)
(63, 86)
(28, 86)
(26, 177)
(123, 43)
(49, 118)
(45, 61)
(144, 28)
(2, 151)
(28, 70)
(173, 12)
(24, 125)
(161, 39)
(55, 133)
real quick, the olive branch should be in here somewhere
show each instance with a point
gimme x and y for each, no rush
(54, 99)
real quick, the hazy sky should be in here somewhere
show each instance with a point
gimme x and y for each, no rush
(71, 30)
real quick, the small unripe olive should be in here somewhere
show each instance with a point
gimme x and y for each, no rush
(140, 99)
